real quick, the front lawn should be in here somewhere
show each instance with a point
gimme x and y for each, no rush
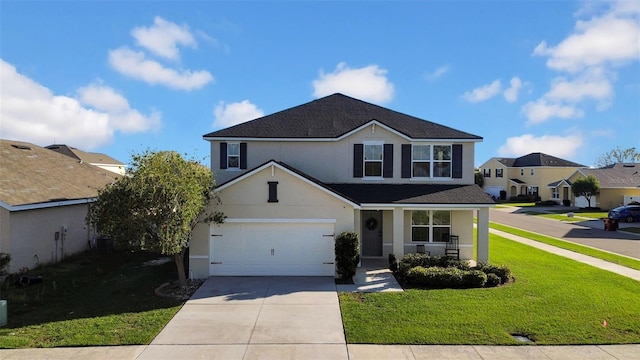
(553, 300)
(90, 299)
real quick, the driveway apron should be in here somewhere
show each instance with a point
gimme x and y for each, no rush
(253, 318)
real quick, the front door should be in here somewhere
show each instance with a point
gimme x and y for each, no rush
(371, 233)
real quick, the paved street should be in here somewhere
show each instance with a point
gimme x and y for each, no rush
(590, 233)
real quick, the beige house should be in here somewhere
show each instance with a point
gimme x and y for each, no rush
(619, 185)
(44, 198)
(532, 174)
(102, 161)
(291, 181)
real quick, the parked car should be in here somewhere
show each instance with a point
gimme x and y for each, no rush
(629, 213)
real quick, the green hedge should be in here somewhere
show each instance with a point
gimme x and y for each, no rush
(438, 272)
(347, 257)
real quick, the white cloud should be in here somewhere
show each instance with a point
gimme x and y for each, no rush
(560, 146)
(610, 39)
(437, 72)
(136, 65)
(163, 37)
(483, 93)
(227, 115)
(31, 112)
(511, 94)
(542, 110)
(591, 84)
(368, 83)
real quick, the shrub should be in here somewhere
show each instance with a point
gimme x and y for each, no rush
(501, 271)
(5, 259)
(440, 278)
(347, 258)
(566, 202)
(546, 203)
(503, 195)
(393, 263)
(492, 280)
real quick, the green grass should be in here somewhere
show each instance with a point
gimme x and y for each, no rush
(607, 256)
(561, 217)
(554, 300)
(90, 300)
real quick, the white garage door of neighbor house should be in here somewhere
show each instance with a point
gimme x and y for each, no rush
(266, 248)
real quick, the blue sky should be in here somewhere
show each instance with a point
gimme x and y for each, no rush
(119, 77)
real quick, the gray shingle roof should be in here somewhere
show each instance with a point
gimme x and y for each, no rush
(537, 159)
(30, 174)
(334, 116)
(413, 194)
(617, 176)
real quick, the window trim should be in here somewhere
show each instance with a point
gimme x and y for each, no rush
(486, 172)
(364, 160)
(239, 156)
(500, 174)
(431, 226)
(432, 161)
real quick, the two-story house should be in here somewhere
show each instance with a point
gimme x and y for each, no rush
(534, 174)
(291, 181)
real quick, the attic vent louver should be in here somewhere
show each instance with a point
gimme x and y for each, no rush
(21, 147)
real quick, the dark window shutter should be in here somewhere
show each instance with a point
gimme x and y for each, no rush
(456, 160)
(273, 191)
(358, 160)
(406, 161)
(243, 155)
(387, 157)
(223, 155)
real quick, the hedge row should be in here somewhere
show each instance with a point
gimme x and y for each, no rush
(439, 272)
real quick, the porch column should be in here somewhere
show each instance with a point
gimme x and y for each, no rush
(357, 228)
(483, 234)
(398, 232)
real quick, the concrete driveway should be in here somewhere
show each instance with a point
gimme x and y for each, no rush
(255, 318)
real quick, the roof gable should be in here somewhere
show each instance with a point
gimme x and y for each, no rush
(333, 117)
(30, 174)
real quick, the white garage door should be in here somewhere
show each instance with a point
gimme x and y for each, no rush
(271, 248)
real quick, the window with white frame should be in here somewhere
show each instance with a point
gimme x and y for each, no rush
(555, 194)
(498, 173)
(431, 161)
(373, 160)
(531, 171)
(486, 172)
(233, 156)
(430, 225)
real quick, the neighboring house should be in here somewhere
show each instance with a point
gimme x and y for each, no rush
(44, 197)
(290, 182)
(96, 159)
(531, 174)
(619, 185)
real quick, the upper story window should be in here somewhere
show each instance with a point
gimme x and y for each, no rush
(373, 160)
(421, 161)
(233, 156)
(425, 162)
(498, 173)
(486, 172)
(431, 161)
(521, 172)
(532, 172)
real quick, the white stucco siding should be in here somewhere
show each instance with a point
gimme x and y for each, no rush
(332, 161)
